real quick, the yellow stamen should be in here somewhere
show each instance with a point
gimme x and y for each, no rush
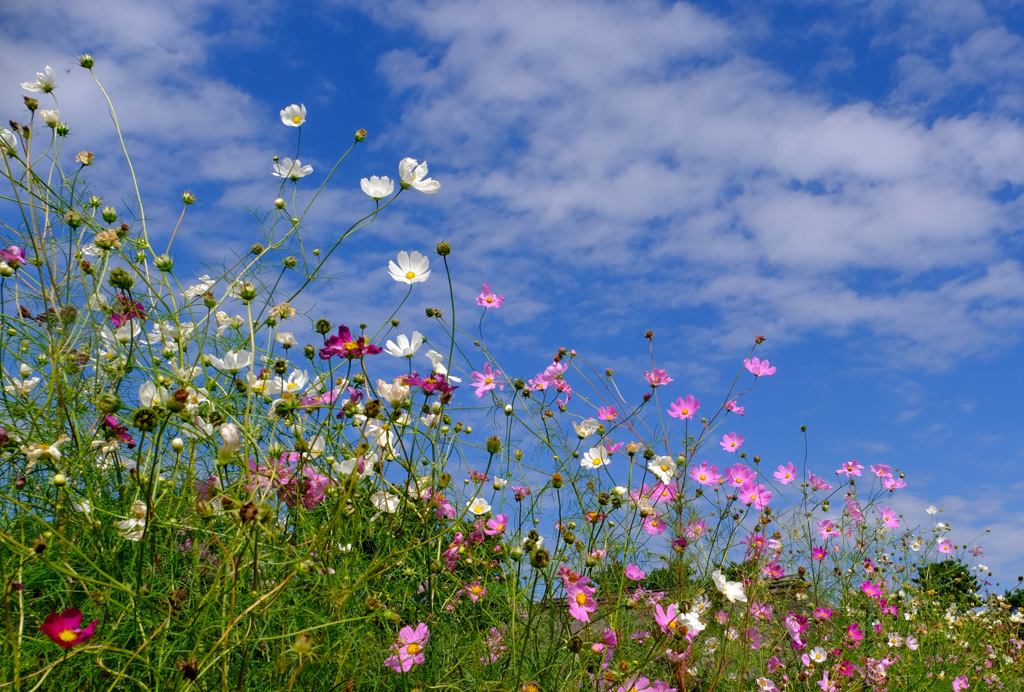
(410, 275)
(297, 119)
(413, 648)
(581, 598)
(67, 635)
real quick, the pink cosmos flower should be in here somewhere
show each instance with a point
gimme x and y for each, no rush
(635, 573)
(13, 255)
(817, 482)
(345, 346)
(758, 367)
(825, 684)
(664, 492)
(731, 442)
(488, 299)
(657, 377)
(696, 528)
(475, 590)
(960, 683)
(684, 409)
(654, 525)
(487, 380)
(607, 413)
(853, 509)
(775, 665)
(976, 551)
(206, 488)
(733, 407)
(827, 529)
(738, 474)
(408, 649)
(823, 613)
(582, 603)
(945, 546)
(894, 483)
(666, 619)
(818, 553)
(705, 474)
(854, 632)
(496, 525)
(871, 589)
(890, 518)
(850, 468)
(881, 470)
(66, 630)
(786, 474)
(911, 642)
(755, 494)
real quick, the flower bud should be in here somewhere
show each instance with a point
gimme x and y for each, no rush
(290, 262)
(257, 249)
(280, 203)
(187, 197)
(74, 219)
(232, 438)
(444, 249)
(360, 135)
(31, 103)
(164, 263)
(108, 402)
(62, 129)
(86, 61)
(493, 444)
(119, 278)
(177, 444)
(556, 480)
(109, 214)
(322, 326)
(60, 480)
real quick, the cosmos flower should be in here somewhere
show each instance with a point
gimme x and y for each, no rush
(487, 299)
(44, 81)
(377, 188)
(294, 115)
(412, 268)
(414, 175)
(65, 629)
(293, 170)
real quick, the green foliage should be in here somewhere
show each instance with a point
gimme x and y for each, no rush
(950, 582)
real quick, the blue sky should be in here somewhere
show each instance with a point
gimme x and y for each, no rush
(843, 177)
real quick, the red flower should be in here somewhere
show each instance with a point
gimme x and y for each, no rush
(65, 629)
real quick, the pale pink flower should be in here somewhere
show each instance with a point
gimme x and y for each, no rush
(635, 573)
(733, 407)
(945, 546)
(487, 299)
(738, 474)
(960, 683)
(705, 474)
(881, 470)
(607, 413)
(850, 468)
(890, 518)
(758, 367)
(654, 525)
(817, 482)
(487, 380)
(408, 649)
(657, 377)
(893, 483)
(755, 494)
(786, 474)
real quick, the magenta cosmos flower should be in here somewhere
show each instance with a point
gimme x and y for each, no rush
(487, 299)
(752, 493)
(345, 346)
(408, 648)
(731, 442)
(66, 630)
(684, 409)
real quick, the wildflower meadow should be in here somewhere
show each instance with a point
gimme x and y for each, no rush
(206, 486)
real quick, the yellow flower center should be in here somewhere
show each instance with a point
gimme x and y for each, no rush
(476, 589)
(654, 524)
(413, 648)
(703, 476)
(67, 635)
(410, 275)
(581, 598)
(685, 411)
(500, 527)
(297, 119)
(351, 345)
(673, 624)
(597, 461)
(664, 467)
(488, 380)
(490, 299)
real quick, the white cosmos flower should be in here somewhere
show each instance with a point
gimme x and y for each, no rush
(287, 388)
(7, 138)
(49, 117)
(931, 509)
(346, 467)
(21, 387)
(233, 361)
(411, 268)
(150, 394)
(377, 188)
(663, 467)
(404, 346)
(385, 502)
(691, 621)
(286, 339)
(294, 115)
(478, 506)
(414, 175)
(394, 393)
(293, 170)
(44, 81)
(586, 428)
(733, 590)
(197, 290)
(437, 363)
(595, 458)
(224, 321)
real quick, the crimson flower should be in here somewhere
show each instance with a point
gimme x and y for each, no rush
(345, 346)
(435, 382)
(65, 628)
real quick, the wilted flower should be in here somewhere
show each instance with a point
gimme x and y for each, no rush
(49, 117)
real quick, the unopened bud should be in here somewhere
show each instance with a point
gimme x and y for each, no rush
(444, 248)
(187, 197)
(360, 135)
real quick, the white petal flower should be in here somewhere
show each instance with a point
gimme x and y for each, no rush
(586, 428)
(233, 361)
(286, 339)
(478, 506)
(197, 290)
(151, 395)
(49, 117)
(394, 393)
(21, 387)
(294, 115)
(377, 188)
(385, 502)
(411, 268)
(595, 458)
(293, 170)
(44, 81)
(733, 590)
(414, 175)
(7, 139)
(437, 362)
(931, 509)
(663, 467)
(404, 346)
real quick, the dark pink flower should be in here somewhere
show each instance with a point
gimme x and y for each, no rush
(345, 346)
(65, 629)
